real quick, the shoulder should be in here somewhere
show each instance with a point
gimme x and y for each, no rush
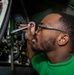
(39, 62)
(40, 57)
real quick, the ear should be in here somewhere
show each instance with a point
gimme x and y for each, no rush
(63, 39)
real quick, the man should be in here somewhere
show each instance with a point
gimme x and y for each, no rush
(55, 39)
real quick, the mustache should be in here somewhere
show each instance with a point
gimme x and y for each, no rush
(34, 37)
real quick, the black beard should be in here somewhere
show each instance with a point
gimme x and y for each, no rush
(37, 50)
(47, 46)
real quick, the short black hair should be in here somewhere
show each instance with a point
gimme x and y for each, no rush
(68, 22)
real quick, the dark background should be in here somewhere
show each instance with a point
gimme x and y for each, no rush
(35, 6)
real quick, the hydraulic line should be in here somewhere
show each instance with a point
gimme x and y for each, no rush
(6, 19)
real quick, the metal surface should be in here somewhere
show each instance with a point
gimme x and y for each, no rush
(16, 30)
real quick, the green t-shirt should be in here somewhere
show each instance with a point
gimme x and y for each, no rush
(43, 66)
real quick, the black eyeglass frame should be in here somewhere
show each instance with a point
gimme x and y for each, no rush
(51, 28)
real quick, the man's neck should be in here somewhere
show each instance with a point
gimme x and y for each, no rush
(56, 57)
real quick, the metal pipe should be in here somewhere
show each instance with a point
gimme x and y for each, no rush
(16, 30)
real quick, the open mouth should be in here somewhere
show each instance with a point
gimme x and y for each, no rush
(35, 43)
(33, 40)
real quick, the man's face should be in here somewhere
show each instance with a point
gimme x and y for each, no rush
(45, 39)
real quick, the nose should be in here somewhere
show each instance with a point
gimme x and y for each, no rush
(36, 32)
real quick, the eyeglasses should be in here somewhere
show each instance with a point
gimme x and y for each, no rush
(49, 27)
